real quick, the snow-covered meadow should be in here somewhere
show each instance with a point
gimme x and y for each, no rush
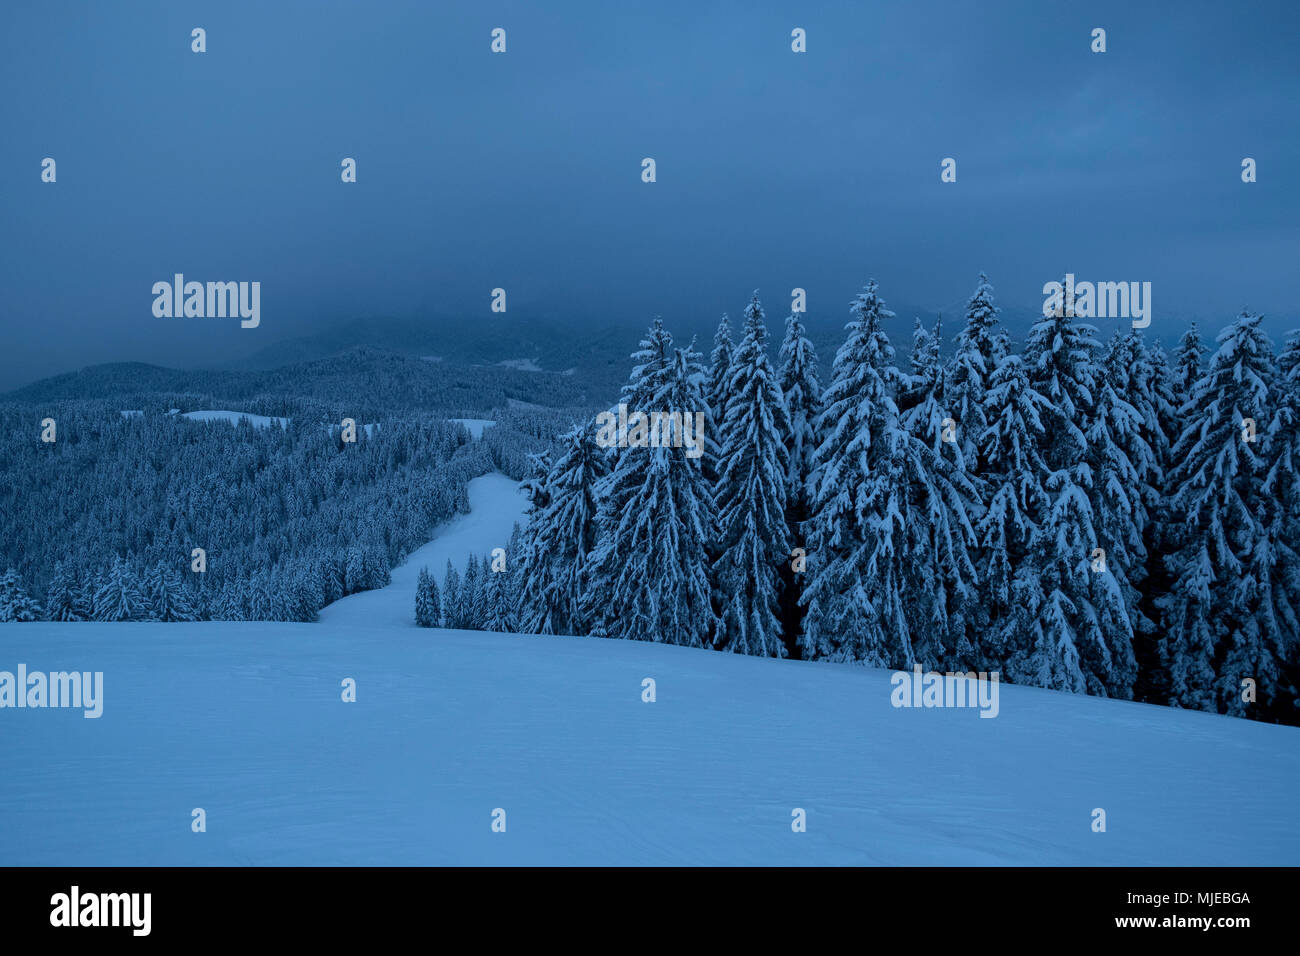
(247, 722)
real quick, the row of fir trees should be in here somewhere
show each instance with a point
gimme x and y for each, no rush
(1099, 519)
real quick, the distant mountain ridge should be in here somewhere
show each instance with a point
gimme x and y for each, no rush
(378, 381)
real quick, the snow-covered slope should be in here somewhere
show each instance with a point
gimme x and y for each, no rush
(246, 721)
(495, 505)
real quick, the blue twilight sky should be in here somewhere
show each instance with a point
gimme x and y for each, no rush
(522, 170)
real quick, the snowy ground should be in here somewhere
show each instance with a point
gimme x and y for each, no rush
(246, 721)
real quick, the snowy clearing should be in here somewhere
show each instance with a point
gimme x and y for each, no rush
(474, 425)
(257, 421)
(522, 365)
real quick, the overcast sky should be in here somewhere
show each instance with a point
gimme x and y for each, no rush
(522, 170)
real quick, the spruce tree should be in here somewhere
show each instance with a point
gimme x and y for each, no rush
(471, 600)
(537, 567)
(168, 601)
(717, 391)
(1218, 633)
(1189, 361)
(750, 497)
(16, 605)
(1081, 643)
(560, 537)
(426, 600)
(1139, 373)
(650, 577)
(499, 612)
(452, 616)
(802, 392)
(63, 601)
(1009, 590)
(120, 597)
(888, 533)
(1277, 563)
(841, 621)
(948, 622)
(978, 353)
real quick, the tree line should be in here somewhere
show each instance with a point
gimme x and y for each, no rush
(1095, 518)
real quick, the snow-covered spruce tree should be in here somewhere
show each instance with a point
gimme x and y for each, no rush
(841, 620)
(1276, 565)
(537, 595)
(304, 595)
(881, 499)
(232, 603)
(716, 390)
(1122, 464)
(802, 392)
(63, 601)
(16, 605)
(750, 497)
(627, 472)
(168, 601)
(649, 577)
(653, 369)
(951, 621)
(482, 599)
(925, 376)
(427, 600)
(498, 607)
(356, 573)
(377, 573)
(327, 582)
(1165, 398)
(1217, 633)
(1009, 589)
(1140, 374)
(261, 598)
(120, 597)
(1082, 639)
(803, 402)
(452, 616)
(471, 596)
(978, 353)
(559, 539)
(1189, 363)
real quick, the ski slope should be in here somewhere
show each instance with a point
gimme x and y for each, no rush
(246, 721)
(495, 503)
